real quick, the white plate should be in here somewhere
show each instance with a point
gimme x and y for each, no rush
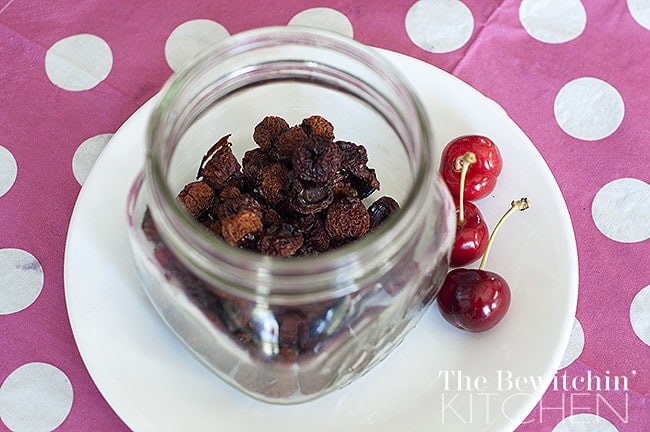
(154, 384)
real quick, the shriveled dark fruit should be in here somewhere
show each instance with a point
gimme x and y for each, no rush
(250, 240)
(307, 197)
(224, 141)
(236, 180)
(280, 240)
(237, 226)
(342, 186)
(196, 197)
(283, 148)
(318, 128)
(220, 167)
(381, 209)
(316, 239)
(316, 161)
(285, 209)
(347, 220)
(229, 192)
(252, 164)
(268, 130)
(353, 155)
(273, 183)
(236, 204)
(270, 216)
(365, 182)
(354, 163)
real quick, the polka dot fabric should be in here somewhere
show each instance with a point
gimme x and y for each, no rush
(573, 74)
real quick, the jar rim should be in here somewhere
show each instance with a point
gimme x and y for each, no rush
(295, 275)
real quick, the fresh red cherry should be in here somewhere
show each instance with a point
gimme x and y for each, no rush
(471, 230)
(476, 299)
(471, 235)
(482, 177)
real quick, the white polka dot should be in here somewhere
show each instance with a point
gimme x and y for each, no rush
(640, 10)
(35, 397)
(640, 315)
(584, 423)
(325, 19)
(8, 170)
(620, 210)
(589, 109)
(86, 154)
(575, 346)
(21, 280)
(78, 62)
(191, 39)
(553, 21)
(439, 26)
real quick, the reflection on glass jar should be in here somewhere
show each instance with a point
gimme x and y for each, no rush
(287, 330)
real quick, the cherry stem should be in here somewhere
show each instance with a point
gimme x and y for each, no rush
(518, 205)
(462, 164)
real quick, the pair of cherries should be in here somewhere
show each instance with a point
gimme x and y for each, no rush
(470, 166)
(473, 299)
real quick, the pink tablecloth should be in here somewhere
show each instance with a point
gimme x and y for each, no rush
(573, 74)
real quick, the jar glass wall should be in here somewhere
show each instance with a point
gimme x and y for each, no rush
(286, 330)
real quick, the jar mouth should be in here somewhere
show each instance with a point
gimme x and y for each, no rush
(339, 269)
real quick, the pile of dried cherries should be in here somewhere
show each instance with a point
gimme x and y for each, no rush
(298, 193)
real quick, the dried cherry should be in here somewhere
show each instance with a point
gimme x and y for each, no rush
(308, 197)
(282, 149)
(268, 130)
(196, 197)
(236, 227)
(221, 164)
(316, 161)
(318, 128)
(381, 209)
(347, 220)
(280, 240)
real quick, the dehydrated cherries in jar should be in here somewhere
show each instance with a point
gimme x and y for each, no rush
(298, 193)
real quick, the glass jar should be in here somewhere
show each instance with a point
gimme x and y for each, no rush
(287, 330)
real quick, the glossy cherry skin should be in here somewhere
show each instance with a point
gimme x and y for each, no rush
(482, 175)
(474, 300)
(471, 236)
